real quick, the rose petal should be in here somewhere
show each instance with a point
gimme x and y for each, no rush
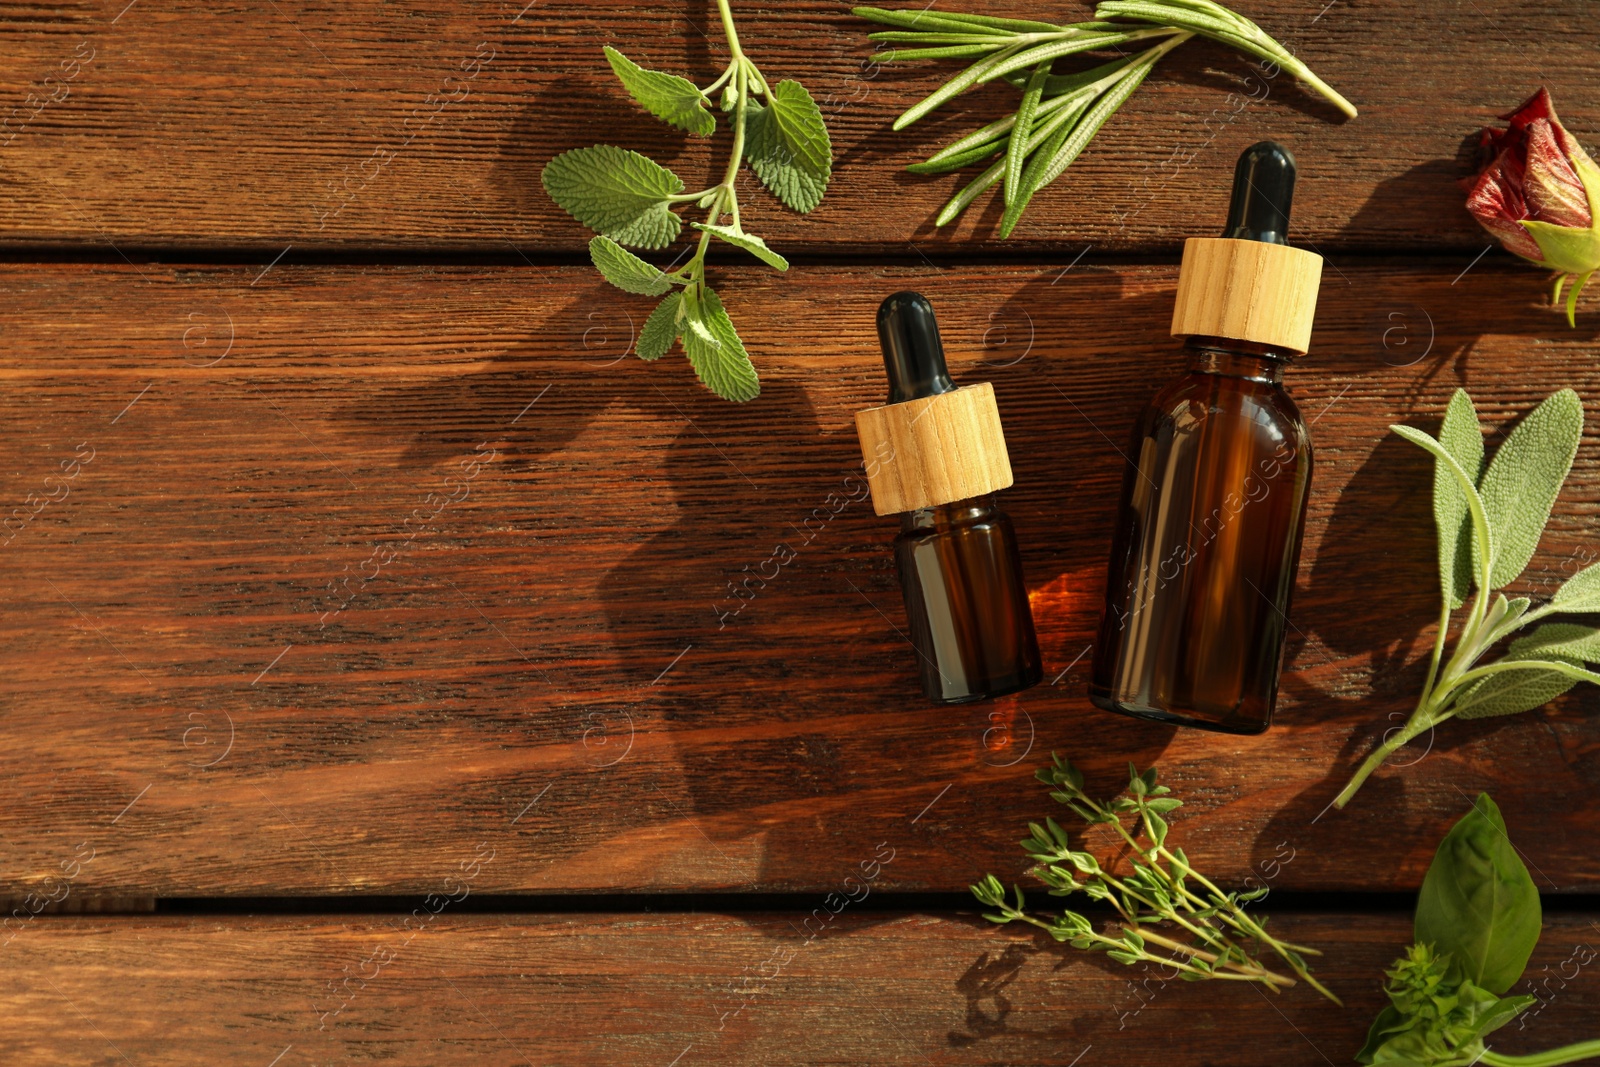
(1554, 192)
(1496, 202)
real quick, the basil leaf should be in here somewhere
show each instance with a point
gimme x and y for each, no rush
(1388, 1022)
(1478, 904)
(1523, 479)
(1461, 437)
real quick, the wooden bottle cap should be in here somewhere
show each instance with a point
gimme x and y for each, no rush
(934, 450)
(1247, 291)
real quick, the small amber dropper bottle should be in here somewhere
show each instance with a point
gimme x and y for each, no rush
(1207, 540)
(936, 455)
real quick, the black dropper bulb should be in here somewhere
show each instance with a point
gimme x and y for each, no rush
(912, 353)
(1263, 193)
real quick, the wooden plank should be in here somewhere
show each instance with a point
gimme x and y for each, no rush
(276, 638)
(578, 989)
(424, 126)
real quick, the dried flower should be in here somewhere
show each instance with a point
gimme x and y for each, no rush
(1538, 193)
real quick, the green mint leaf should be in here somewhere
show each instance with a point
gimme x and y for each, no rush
(625, 270)
(661, 329)
(1478, 904)
(788, 147)
(671, 99)
(615, 192)
(1462, 438)
(747, 241)
(1523, 479)
(1580, 594)
(717, 354)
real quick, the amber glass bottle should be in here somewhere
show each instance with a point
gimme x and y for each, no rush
(935, 454)
(1207, 539)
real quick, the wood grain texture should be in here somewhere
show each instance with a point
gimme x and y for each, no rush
(878, 988)
(351, 585)
(424, 126)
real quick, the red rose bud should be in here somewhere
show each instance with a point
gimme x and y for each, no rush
(1538, 193)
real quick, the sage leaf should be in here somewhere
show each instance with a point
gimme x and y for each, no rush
(721, 362)
(1579, 594)
(1461, 437)
(625, 270)
(671, 99)
(1482, 533)
(1523, 479)
(1567, 640)
(747, 241)
(660, 331)
(1477, 902)
(1513, 691)
(788, 146)
(615, 192)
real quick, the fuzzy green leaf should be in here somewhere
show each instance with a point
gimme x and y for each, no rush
(788, 147)
(1462, 438)
(615, 192)
(717, 354)
(1580, 594)
(1481, 530)
(1515, 691)
(1523, 480)
(747, 241)
(625, 270)
(1566, 640)
(661, 329)
(671, 99)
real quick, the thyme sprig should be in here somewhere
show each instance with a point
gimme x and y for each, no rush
(1168, 913)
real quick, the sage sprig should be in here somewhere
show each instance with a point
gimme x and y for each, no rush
(629, 199)
(1489, 521)
(1059, 113)
(1478, 922)
(1168, 913)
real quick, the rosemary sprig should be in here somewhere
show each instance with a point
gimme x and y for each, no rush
(1169, 913)
(1059, 113)
(629, 199)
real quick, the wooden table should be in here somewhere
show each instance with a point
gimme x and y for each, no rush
(342, 774)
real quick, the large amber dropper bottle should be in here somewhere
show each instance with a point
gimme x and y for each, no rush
(1207, 539)
(936, 456)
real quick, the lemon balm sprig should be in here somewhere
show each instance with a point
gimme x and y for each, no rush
(629, 199)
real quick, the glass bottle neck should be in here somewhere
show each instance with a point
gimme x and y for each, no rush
(945, 516)
(1237, 359)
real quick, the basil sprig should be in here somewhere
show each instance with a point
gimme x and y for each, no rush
(1478, 921)
(1489, 521)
